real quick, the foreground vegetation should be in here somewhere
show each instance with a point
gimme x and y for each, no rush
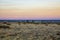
(29, 31)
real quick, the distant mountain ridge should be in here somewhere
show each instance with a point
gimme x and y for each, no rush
(35, 21)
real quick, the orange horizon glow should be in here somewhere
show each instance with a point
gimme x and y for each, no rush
(30, 13)
(30, 9)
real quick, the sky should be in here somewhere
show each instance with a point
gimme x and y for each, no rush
(30, 9)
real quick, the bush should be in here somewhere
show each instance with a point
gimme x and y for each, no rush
(4, 26)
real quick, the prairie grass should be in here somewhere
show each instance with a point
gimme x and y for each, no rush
(29, 31)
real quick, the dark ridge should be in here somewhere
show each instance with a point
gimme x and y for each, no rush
(34, 21)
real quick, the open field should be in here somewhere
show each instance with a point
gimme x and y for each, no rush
(29, 31)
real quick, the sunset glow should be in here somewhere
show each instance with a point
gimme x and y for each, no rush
(29, 9)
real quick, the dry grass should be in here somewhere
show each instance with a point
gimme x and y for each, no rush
(29, 31)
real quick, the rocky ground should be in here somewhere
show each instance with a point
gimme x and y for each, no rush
(28, 31)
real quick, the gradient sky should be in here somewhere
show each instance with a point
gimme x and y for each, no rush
(30, 9)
